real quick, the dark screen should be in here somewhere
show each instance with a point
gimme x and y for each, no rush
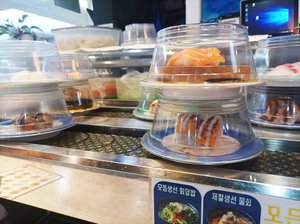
(72, 5)
(162, 13)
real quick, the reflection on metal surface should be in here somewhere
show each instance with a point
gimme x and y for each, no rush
(280, 145)
(279, 139)
(132, 53)
(122, 58)
(215, 176)
(276, 133)
(116, 103)
(122, 63)
(114, 122)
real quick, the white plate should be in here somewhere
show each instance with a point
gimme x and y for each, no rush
(38, 135)
(196, 93)
(247, 152)
(156, 84)
(227, 145)
(91, 50)
(141, 116)
(260, 122)
(267, 124)
(281, 82)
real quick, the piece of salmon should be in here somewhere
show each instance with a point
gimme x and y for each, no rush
(196, 57)
(199, 65)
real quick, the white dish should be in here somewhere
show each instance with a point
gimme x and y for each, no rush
(38, 135)
(226, 146)
(166, 85)
(211, 93)
(267, 124)
(281, 82)
(147, 117)
(29, 84)
(33, 137)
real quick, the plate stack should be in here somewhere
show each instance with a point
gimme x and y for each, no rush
(277, 103)
(32, 105)
(202, 117)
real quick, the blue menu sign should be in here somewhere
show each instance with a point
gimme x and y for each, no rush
(176, 203)
(227, 206)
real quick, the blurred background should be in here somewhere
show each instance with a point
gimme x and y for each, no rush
(261, 16)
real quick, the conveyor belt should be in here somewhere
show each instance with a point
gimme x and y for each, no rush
(96, 142)
(269, 162)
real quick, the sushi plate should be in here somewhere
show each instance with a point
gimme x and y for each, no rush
(275, 125)
(247, 152)
(165, 85)
(59, 125)
(254, 119)
(142, 116)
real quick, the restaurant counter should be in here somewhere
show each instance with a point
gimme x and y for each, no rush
(98, 170)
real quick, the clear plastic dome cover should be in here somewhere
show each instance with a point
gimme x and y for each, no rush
(215, 53)
(148, 102)
(30, 62)
(33, 110)
(78, 96)
(273, 106)
(85, 38)
(77, 66)
(202, 127)
(277, 60)
(139, 33)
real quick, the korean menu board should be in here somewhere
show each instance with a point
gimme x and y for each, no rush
(178, 202)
